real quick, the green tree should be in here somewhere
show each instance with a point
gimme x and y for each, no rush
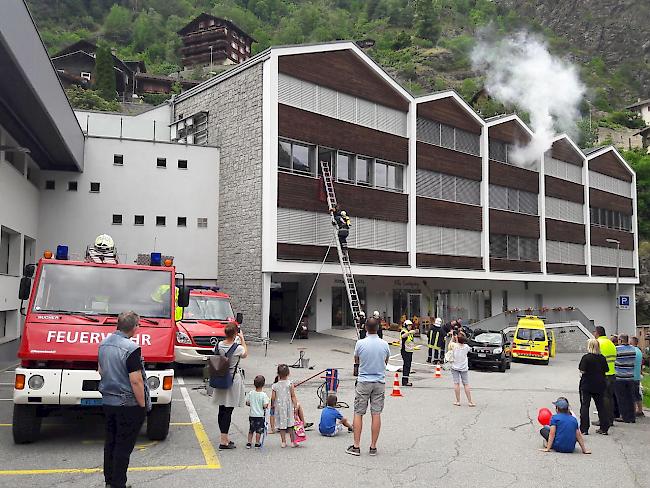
(117, 25)
(147, 29)
(427, 20)
(104, 73)
(402, 40)
(640, 162)
(90, 100)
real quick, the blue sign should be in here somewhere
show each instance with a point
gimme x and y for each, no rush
(624, 302)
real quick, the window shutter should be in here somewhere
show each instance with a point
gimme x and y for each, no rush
(447, 137)
(347, 108)
(366, 113)
(308, 96)
(327, 102)
(289, 90)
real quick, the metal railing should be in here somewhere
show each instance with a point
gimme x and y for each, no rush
(551, 316)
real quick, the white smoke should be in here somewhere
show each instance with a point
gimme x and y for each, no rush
(521, 71)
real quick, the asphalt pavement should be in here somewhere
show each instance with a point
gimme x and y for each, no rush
(425, 440)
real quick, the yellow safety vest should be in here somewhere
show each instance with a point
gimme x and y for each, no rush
(159, 295)
(409, 339)
(608, 349)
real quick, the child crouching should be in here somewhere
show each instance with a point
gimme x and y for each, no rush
(331, 420)
(258, 401)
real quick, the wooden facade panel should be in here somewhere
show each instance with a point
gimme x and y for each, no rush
(436, 158)
(449, 111)
(563, 189)
(560, 230)
(497, 264)
(304, 193)
(608, 164)
(297, 252)
(567, 269)
(443, 261)
(514, 224)
(514, 177)
(343, 71)
(607, 271)
(326, 131)
(511, 132)
(603, 199)
(599, 236)
(442, 213)
(564, 151)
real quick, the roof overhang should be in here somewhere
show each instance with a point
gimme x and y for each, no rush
(33, 106)
(612, 149)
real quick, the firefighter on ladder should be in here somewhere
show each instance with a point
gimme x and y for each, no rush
(341, 219)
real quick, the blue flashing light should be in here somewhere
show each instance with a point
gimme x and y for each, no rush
(62, 252)
(156, 259)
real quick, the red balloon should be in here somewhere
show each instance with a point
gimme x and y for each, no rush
(544, 416)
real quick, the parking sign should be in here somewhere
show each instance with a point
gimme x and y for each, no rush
(624, 302)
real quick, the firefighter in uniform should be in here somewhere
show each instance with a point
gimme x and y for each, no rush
(408, 346)
(436, 342)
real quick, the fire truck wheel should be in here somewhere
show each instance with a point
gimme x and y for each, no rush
(158, 422)
(26, 424)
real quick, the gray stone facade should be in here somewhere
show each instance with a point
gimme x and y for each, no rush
(235, 125)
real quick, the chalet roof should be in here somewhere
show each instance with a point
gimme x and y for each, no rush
(642, 131)
(134, 64)
(639, 103)
(83, 45)
(190, 27)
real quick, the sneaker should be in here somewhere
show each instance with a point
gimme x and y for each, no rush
(225, 447)
(350, 429)
(308, 425)
(248, 445)
(373, 451)
(258, 446)
(355, 451)
(601, 432)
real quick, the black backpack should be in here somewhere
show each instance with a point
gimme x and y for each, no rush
(219, 367)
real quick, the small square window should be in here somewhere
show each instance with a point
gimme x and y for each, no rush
(86, 75)
(94, 187)
(202, 222)
(182, 164)
(181, 221)
(138, 220)
(118, 159)
(72, 186)
(117, 219)
(161, 162)
(161, 220)
(50, 185)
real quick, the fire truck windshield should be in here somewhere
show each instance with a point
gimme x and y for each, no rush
(97, 290)
(208, 308)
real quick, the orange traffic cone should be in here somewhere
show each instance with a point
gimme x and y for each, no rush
(396, 392)
(438, 373)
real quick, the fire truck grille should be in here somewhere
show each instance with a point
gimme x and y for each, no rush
(207, 340)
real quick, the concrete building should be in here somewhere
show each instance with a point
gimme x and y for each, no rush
(445, 222)
(642, 107)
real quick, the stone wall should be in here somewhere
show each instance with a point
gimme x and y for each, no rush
(235, 125)
(570, 339)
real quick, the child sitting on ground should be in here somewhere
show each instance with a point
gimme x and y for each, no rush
(563, 432)
(258, 401)
(285, 404)
(331, 420)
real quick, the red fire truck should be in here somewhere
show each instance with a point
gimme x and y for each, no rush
(203, 324)
(72, 307)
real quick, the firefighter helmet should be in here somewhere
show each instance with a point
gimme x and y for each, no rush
(104, 243)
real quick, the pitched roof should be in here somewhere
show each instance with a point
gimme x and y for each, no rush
(639, 103)
(82, 45)
(590, 150)
(190, 26)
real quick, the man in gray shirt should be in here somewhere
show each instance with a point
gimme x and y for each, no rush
(372, 355)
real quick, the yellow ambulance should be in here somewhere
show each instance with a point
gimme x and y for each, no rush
(532, 340)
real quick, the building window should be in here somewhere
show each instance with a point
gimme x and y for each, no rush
(161, 162)
(565, 252)
(345, 167)
(161, 220)
(85, 75)
(117, 219)
(442, 186)
(388, 176)
(504, 198)
(181, 221)
(138, 220)
(94, 187)
(447, 136)
(9, 251)
(202, 222)
(72, 186)
(559, 209)
(611, 219)
(298, 158)
(514, 248)
(182, 164)
(118, 159)
(50, 185)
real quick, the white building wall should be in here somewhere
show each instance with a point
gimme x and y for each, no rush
(150, 125)
(19, 220)
(138, 187)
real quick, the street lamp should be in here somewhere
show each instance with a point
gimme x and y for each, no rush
(618, 266)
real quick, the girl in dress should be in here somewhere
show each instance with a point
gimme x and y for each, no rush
(285, 405)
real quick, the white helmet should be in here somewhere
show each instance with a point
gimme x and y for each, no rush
(375, 314)
(438, 321)
(408, 322)
(362, 314)
(104, 243)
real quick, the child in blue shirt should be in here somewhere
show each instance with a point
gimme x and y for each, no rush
(563, 433)
(331, 420)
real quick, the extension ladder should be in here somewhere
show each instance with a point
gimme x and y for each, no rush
(344, 258)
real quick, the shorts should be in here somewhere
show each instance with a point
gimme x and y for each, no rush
(369, 392)
(337, 430)
(459, 376)
(256, 425)
(637, 392)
